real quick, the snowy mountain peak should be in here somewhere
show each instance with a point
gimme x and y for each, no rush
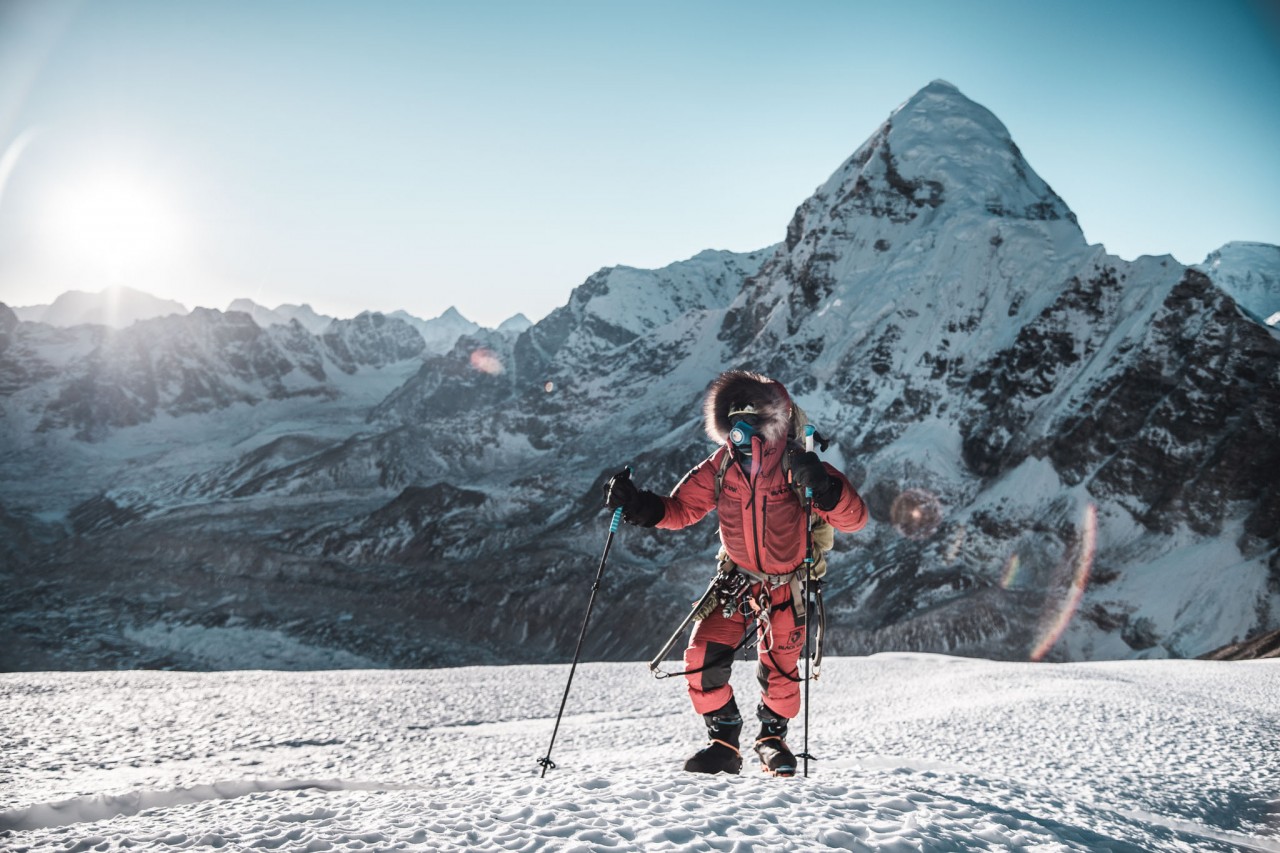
(619, 305)
(282, 315)
(439, 333)
(939, 114)
(514, 324)
(117, 306)
(1250, 273)
(942, 86)
(940, 180)
(372, 339)
(939, 151)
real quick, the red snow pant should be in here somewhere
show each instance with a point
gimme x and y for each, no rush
(781, 643)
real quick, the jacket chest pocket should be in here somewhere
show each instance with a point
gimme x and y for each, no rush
(784, 530)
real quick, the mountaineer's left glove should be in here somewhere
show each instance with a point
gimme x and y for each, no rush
(807, 471)
(639, 506)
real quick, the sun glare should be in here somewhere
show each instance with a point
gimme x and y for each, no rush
(113, 226)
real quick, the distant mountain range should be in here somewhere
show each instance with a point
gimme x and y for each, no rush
(116, 307)
(120, 307)
(1066, 455)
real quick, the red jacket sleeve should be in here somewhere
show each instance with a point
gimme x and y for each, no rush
(694, 496)
(850, 512)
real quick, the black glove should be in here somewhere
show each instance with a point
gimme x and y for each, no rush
(639, 507)
(807, 471)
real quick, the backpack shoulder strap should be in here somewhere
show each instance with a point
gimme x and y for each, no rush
(724, 466)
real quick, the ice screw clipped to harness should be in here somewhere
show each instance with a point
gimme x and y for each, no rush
(546, 761)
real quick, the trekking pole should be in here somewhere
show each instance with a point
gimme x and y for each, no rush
(808, 610)
(546, 761)
(675, 636)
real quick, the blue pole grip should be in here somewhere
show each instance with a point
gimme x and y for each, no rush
(808, 497)
(617, 513)
(809, 430)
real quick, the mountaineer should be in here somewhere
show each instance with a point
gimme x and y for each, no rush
(756, 481)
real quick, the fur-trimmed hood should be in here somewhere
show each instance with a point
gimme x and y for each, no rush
(735, 387)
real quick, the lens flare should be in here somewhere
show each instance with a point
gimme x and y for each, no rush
(1010, 575)
(1083, 557)
(12, 154)
(916, 513)
(486, 361)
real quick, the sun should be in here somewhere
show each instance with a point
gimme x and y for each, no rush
(113, 225)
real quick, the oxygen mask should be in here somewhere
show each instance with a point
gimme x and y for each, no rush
(745, 419)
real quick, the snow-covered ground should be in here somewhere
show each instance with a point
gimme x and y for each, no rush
(915, 752)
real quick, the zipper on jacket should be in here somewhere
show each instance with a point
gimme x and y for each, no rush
(764, 525)
(756, 532)
(757, 467)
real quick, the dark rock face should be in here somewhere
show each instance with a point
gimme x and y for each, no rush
(1263, 646)
(421, 522)
(371, 339)
(885, 194)
(1187, 428)
(473, 375)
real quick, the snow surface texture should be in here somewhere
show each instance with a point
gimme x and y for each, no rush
(916, 752)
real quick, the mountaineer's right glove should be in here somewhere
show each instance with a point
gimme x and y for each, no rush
(808, 472)
(639, 506)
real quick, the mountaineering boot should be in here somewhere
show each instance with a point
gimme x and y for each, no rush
(771, 744)
(721, 754)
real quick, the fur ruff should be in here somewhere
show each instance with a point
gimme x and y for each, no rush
(740, 386)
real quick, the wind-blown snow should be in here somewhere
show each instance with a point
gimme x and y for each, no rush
(915, 752)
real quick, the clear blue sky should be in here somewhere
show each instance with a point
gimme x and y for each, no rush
(492, 155)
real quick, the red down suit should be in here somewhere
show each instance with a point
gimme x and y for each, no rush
(762, 529)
